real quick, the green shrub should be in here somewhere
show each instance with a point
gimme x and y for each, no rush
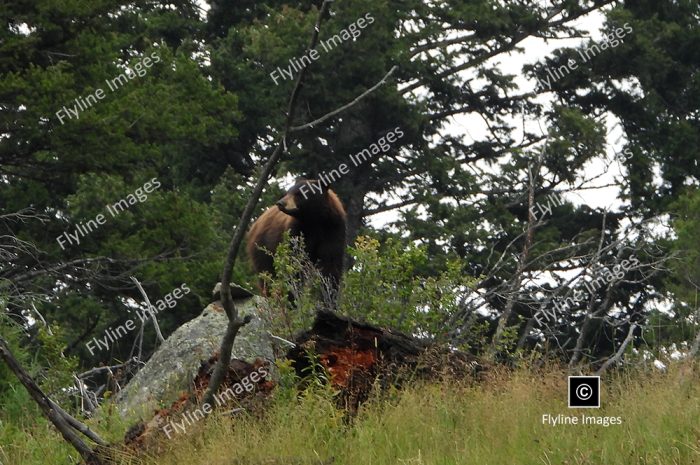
(384, 287)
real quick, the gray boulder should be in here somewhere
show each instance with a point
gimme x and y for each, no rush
(174, 365)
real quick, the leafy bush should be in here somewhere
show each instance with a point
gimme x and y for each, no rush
(296, 291)
(384, 287)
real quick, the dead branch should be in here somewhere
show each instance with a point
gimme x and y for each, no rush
(618, 355)
(63, 422)
(149, 307)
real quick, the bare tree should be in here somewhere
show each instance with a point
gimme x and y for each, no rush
(533, 176)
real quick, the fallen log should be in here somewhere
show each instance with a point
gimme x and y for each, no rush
(356, 355)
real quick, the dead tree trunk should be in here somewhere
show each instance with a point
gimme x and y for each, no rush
(356, 354)
(63, 422)
(533, 175)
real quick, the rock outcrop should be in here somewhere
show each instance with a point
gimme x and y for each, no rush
(175, 364)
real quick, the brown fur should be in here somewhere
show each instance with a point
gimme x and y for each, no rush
(319, 217)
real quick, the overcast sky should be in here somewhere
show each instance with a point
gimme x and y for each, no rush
(472, 127)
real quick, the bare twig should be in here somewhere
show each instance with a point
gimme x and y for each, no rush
(84, 399)
(41, 317)
(98, 370)
(138, 342)
(291, 344)
(149, 307)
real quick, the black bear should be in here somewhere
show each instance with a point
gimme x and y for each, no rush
(309, 209)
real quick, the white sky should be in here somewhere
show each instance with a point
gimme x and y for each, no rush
(472, 127)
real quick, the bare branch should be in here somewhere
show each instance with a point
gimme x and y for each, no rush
(349, 105)
(235, 323)
(618, 355)
(149, 307)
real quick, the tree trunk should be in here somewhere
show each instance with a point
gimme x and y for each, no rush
(522, 262)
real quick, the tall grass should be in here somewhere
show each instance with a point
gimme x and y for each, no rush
(495, 422)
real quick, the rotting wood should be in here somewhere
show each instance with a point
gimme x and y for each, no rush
(356, 355)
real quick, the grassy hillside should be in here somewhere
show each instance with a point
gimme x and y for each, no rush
(496, 422)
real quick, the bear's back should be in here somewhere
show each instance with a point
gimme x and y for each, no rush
(266, 234)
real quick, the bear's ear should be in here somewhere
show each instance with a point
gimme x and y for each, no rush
(300, 179)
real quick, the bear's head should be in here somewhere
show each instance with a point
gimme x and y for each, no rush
(309, 197)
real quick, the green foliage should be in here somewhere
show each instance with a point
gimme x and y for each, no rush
(507, 343)
(296, 291)
(170, 236)
(57, 369)
(686, 224)
(385, 287)
(167, 121)
(41, 355)
(684, 280)
(12, 333)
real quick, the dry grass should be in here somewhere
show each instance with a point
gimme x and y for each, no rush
(498, 422)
